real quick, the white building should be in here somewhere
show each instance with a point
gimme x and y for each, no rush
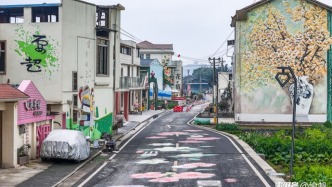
(131, 84)
(68, 55)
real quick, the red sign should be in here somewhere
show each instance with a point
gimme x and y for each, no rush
(178, 98)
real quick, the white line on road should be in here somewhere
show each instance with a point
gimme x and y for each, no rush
(102, 166)
(168, 126)
(177, 145)
(243, 155)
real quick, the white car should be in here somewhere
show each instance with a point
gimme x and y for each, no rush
(65, 144)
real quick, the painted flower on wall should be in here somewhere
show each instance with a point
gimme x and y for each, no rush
(295, 37)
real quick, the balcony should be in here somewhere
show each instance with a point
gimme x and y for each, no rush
(131, 83)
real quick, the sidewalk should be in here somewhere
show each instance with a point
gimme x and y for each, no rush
(15, 176)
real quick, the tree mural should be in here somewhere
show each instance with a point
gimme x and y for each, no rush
(167, 71)
(272, 42)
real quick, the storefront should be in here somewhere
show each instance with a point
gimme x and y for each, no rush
(33, 122)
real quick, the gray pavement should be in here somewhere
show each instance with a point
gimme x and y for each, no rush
(36, 171)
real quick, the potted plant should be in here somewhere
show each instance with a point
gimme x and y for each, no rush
(23, 154)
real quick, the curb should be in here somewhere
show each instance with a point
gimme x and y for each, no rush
(261, 163)
(148, 119)
(78, 168)
(99, 152)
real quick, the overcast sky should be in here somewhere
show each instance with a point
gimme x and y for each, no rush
(196, 28)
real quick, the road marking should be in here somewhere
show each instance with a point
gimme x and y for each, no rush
(168, 126)
(149, 154)
(239, 150)
(177, 145)
(102, 166)
(175, 164)
(209, 183)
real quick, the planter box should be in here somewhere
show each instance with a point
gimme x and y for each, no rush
(22, 160)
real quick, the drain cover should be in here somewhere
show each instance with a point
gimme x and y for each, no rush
(209, 183)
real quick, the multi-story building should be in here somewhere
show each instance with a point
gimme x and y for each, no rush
(70, 50)
(129, 97)
(173, 70)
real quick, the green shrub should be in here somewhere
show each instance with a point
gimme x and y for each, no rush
(313, 173)
(228, 127)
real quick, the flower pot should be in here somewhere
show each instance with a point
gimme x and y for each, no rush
(22, 160)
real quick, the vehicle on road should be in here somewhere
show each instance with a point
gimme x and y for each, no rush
(65, 144)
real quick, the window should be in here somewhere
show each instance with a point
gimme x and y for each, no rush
(11, 15)
(125, 50)
(2, 57)
(137, 53)
(141, 56)
(75, 110)
(148, 56)
(75, 104)
(102, 57)
(75, 115)
(74, 80)
(45, 14)
(102, 17)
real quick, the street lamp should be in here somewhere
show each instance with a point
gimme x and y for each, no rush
(289, 75)
(215, 84)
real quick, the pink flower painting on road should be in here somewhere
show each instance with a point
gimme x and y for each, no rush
(230, 180)
(193, 175)
(193, 130)
(148, 175)
(171, 177)
(155, 137)
(203, 138)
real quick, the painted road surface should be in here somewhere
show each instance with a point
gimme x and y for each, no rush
(168, 152)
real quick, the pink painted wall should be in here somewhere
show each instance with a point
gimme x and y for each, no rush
(28, 116)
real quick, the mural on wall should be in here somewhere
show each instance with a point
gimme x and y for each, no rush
(39, 51)
(167, 79)
(284, 33)
(158, 71)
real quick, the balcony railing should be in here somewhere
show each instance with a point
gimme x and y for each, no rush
(130, 82)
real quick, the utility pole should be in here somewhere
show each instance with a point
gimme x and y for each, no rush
(215, 106)
(217, 97)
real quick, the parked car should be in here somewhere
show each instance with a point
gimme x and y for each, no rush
(65, 144)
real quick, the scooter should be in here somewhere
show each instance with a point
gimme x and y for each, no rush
(110, 143)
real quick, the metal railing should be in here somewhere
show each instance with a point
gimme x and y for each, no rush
(130, 82)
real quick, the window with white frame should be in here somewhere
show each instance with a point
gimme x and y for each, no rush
(2, 57)
(102, 57)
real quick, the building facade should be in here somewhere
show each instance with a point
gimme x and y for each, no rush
(272, 34)
(172, 74)
(129, 98)
(71, 52)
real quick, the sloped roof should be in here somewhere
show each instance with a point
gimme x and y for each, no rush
(9, 93)
(148, 45)
(241, 14)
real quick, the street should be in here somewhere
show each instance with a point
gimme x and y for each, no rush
(168, 152)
